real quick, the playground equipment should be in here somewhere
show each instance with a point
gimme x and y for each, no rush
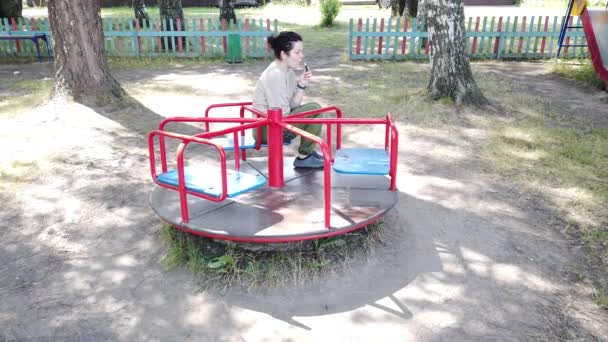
(595, 25)
(265, 199)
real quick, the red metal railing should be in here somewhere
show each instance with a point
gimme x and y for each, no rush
(203, 139)
(224, 105)
(181, 119)
(276, 123)
(326, 167)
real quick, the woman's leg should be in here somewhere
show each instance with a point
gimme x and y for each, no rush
(307, 146)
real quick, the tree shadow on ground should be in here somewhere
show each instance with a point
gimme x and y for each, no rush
(462, 260)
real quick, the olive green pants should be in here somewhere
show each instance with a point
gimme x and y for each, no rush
(306, 146)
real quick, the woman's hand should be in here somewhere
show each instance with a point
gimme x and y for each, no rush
(305, 78)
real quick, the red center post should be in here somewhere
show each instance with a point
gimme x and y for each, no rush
(275, 148)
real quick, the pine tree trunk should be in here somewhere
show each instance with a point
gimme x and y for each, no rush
(81, 68)
(11, 8)
(227, 11)
(141, 13)
(412, 8)
(171, 9)
(451, 74)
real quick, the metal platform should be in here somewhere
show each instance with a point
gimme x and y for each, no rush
(291, 213)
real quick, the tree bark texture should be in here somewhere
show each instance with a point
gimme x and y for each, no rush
(140, 11)
(11, 8)
(81, 68)
(400, 7)
(171, 9)
(451, 74)
(227, 11)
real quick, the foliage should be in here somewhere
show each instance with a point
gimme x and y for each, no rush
(329, 11)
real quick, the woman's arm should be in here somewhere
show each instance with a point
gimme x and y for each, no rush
(302, 83)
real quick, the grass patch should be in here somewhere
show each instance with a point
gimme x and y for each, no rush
(561, 159)
(579, 70)
(223, 265)
(601, 297)
(164, 62)
(23, 95)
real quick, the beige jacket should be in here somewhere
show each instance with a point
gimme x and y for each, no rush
(275, 89)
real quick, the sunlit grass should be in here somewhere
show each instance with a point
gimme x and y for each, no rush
(580, 70)
(165, 62)
(561, 159)
(22, 95)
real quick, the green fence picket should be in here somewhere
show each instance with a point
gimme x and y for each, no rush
(389, 27)
(373, 43)
(366, 38)
(488, 50)
(481, 41)
(396, 41)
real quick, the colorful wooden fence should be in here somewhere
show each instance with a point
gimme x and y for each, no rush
(126, 37)
(487, 37)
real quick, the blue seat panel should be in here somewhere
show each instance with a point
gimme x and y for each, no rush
(209, 181)
(362, 161)
(245, 142)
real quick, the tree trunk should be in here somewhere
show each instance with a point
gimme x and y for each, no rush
(81, 68)
(10, 8)
(412, 8)
(227, 11)
(141, 13)
(171, 9)
(451, 74)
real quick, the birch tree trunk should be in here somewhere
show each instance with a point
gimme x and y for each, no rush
(81, 68)
(451, 74)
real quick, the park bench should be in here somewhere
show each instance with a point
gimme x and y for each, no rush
(34, 37)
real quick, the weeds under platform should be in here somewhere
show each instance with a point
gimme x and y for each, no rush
(225, 264)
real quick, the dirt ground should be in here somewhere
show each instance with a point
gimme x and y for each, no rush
(465, 258)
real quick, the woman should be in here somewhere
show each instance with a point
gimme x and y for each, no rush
(280, 87)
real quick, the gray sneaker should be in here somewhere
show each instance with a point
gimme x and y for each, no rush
(317, 155)
(309, 162)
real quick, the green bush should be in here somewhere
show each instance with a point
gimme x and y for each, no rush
(329, 11)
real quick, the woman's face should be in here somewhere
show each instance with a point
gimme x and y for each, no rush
(295, 58)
